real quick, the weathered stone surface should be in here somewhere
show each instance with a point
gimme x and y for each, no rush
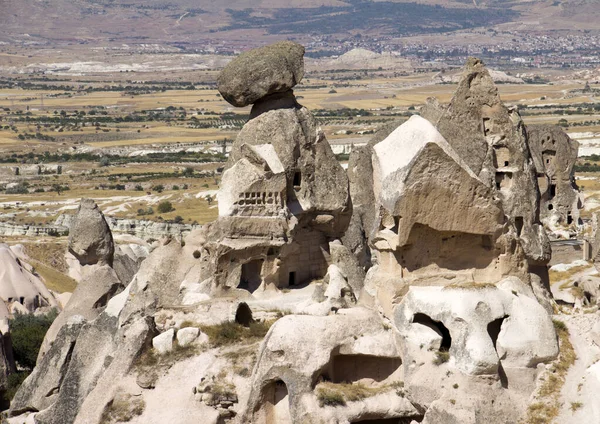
(343, 258)
(18, 284)
(41, 388)
(90, 239)
(554, 155)
(98, 285)
(257, 73)
(524, 336)
(127, 260)
(298, 349)
(163, 343)
(186, 336)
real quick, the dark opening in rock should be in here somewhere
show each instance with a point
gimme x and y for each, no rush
(353, 368)
(438, 327)
(250, 278)
(275, 404)
(243, 315)
(519, 225)
(297, 179)
(494, 327)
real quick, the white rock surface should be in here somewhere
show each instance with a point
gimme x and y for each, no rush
(163, 343)
(186, 336)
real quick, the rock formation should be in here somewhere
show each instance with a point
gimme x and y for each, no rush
(410, 291)
(90, 239)
(18, 284)
(91, 242)
(283, 195)
(554, 155)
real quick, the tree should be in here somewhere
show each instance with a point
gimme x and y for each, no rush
(27, 333)
(209, 199)
(165, 206)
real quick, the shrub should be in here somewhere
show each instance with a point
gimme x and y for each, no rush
(27, 334)
(165, 206)
(18, 189)
(178, 219)
(441, 356)
(104, 161)
(158, 188)
(148, 211)
(196, 254)
(13, 383)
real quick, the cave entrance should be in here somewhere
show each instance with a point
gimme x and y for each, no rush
(493, 330)
(362, 368)
(250, 278)
(243, 315)
(436, 326)
(277, 409)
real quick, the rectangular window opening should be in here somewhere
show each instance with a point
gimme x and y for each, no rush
(297, 179)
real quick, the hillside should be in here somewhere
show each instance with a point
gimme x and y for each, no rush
(186, 21)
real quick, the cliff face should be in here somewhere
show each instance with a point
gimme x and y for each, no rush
(431, 310)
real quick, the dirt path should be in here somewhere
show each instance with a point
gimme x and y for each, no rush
(579, 400)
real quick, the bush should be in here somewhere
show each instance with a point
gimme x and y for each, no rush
(27, 334)
(158, 188)
(165, 206)
(104, 161)
(196, 254)
(13, 383)
(148, 211)
(178, 219)
(441, 357)
(18, 189)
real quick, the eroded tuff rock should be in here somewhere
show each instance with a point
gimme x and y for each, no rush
(554, 155)
(18, 284)
(492, 141)
(449, 324)
(258, 73)
(353, 346)
(283, 199)
(90, 239)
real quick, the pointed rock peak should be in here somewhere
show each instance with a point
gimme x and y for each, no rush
(90, 238)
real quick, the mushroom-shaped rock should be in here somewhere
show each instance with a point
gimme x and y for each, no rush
(90, 239)
(260, 72)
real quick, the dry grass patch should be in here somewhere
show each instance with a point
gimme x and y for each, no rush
(230, 332)
(556, 276)
(546, 407)
(54, 280)
(337, 394)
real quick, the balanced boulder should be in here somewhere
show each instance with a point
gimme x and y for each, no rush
(260, 72)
